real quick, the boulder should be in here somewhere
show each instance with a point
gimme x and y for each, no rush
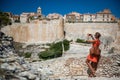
(28, 75)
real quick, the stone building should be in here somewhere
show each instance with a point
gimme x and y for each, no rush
(89, 17)
(9, 14)
(73, 17)
(54, 16)
(104, 16)
(16, 18)
(39, 11)
(27, 17)
(24, 17)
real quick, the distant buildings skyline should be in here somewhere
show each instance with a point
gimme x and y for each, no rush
(102, 16)
(73, 17)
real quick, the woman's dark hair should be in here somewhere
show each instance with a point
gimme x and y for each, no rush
(97, 35)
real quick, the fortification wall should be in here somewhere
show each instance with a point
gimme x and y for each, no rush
(80, 30)
(38, 32)
(46, 31)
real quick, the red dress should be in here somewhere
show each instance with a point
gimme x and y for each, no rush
(91, 57)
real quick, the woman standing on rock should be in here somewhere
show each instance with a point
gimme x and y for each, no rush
(94, 55)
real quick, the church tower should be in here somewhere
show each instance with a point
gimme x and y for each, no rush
(39, 10)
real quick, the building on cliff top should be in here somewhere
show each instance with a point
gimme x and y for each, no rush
(27, 17)
(73, 17)
(103, 16)
(54, 16)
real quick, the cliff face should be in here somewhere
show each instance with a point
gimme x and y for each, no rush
(117, 41)
(48, 31)
(80, 30)
(38, 32)
(118, 35)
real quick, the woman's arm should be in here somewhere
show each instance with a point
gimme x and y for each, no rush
(91, 41)
(92, 37)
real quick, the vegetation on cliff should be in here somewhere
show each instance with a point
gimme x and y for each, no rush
(55, 50)
(81, 41)
(4, 19)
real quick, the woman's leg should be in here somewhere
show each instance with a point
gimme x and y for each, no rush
(92, 71)
(94, 65)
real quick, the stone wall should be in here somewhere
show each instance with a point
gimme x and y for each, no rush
(36, 32)
(47, 31)
(80, 30)
(117, 41)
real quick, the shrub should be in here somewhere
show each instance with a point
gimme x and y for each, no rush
(27, 55)
(66, 44)
(50, 54)
(4, 19)
(80, 41)
(17, 21)
(55, 50)
(58, 46)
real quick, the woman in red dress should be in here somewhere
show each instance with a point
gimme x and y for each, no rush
(94, 55)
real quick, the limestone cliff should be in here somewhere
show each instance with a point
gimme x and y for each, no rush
(109, 31)
(47, 31)
(43, 31)
(117, 41)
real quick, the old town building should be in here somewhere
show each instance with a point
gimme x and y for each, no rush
(26, 17)
(103, 16)
(54, 16)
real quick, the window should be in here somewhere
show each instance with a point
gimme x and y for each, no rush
(103, 20)
(107, 15)
(90, 19)
(103, 15)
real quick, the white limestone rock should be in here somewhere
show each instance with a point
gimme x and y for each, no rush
(27, 74)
